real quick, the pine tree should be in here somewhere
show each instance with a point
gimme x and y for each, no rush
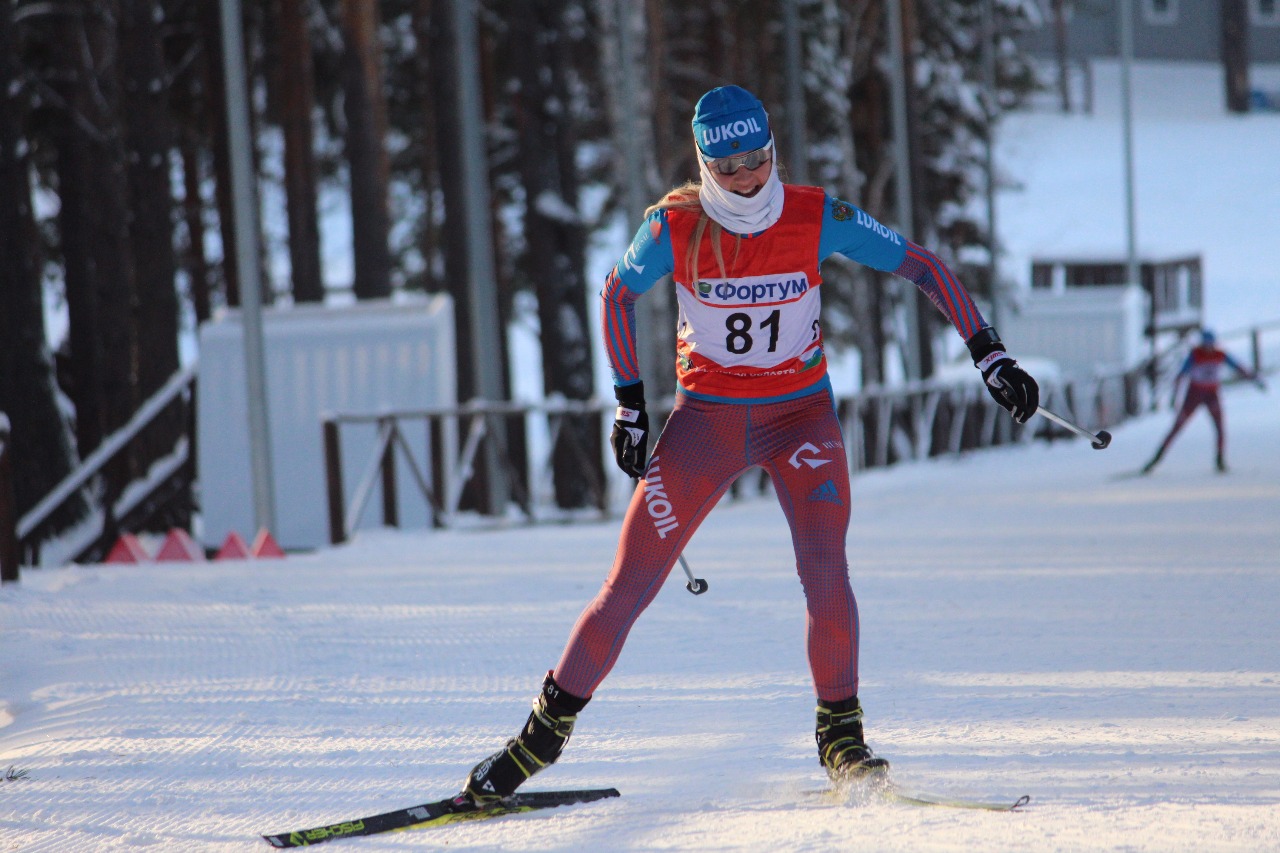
(93, 223)
(294, 81)
(149, 142)
(547, 109)
(366, 126)
(41, 450)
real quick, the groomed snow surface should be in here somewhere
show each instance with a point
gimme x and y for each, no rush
(1033, 622)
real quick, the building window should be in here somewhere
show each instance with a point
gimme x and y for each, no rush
(1264, 13)
(1160, 12)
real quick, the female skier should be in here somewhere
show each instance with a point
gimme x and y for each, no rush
(745, 252)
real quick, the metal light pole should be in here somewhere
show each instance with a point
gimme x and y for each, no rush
(634, 143)
(1126, 117)
(1132, 273)
(989, 83)
(628, 136)
(245, 225)
(482, 289)
(902, 178)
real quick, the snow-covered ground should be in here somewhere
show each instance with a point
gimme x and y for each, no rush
(1205, 183)
(1033, 623)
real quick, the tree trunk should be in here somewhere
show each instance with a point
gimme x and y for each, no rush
(94, 193)
(1235, 53)
(193, 214)
(366, 115)
(665, 143)
(425, 60)
(297, 100)
(926, 314)
(150, 142)
(868, 100)
(216, 85)
(554, 234)
(1060, 51)
(444, 84)
(41, 443)
(648, 156)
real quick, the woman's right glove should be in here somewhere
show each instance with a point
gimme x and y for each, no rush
(630, 436)
(1009, 385)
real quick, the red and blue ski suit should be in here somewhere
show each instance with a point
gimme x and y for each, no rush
(753, 391)
(1202, 369)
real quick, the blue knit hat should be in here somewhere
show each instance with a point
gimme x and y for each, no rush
(729, 120)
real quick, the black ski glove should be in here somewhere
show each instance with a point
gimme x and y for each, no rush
(630, 436)
(1010, 385)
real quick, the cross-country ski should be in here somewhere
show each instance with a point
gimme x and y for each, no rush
(451, 810)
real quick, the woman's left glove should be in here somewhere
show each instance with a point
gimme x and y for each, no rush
(630, 436)
(1009, 385)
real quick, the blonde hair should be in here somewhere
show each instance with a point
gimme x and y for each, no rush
(685, 197)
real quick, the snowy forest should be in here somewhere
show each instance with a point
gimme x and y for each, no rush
(115, 189)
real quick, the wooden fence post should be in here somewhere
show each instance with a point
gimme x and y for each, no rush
(390, 506)
(333, 483)
(9, 552)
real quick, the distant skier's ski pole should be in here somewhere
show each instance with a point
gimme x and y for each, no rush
(1100, 441)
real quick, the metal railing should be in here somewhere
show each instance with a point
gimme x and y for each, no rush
(92, 536)
(449, 457)
(881, 426)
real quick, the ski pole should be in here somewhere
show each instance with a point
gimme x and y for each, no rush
(1099, 441)
(697, 586)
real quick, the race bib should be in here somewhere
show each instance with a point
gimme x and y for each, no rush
(753, 321)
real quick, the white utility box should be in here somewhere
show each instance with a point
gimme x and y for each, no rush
(1085, 330)
(368, 357)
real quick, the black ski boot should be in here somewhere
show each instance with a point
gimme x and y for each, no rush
(539, 744)
(841, 747)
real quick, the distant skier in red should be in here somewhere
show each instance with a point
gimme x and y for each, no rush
(1203, 370)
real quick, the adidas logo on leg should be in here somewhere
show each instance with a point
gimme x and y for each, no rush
(826, 492)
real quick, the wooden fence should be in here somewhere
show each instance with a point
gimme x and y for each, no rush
(881, 426)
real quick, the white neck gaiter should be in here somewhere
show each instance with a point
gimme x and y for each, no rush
(740, 214)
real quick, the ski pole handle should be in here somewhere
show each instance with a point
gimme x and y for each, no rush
(1099, 441)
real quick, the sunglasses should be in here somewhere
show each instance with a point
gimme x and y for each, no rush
(752, 160)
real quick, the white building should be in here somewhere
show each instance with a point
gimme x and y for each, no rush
(367, 357)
